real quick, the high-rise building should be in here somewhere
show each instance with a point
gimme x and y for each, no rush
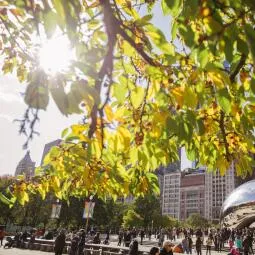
(217, 189)
(196, 191)
(171, 194)
(192, 194)
(48, 146)
(26, 166)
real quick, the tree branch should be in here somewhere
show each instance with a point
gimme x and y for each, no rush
(223, 132)
(28, 123)
(138, 48)
(238, 68)
(107, 66)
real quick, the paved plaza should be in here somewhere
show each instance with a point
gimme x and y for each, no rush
(14, 251)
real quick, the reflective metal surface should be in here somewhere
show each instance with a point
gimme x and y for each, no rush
(238, 210)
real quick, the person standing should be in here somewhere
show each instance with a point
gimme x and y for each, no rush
(120, 237)
(2, 235)
(154, 251)
(190, 244)
(239, 243)
(160, 238)
(216, 242)
(127, 238)
(246, 246)
(149, 234)
(74, 245)
(250, 241)
(60, 243)
(209, 243)
(185, 245)
(133, 248)
(81, 242)
(167, 248)
(96, 239)
(142, 234)
(199, 245)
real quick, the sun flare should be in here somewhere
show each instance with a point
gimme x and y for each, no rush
(55, 55)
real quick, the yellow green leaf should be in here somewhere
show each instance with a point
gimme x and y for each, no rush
(137, 96)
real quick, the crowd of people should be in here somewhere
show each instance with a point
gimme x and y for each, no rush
(175, 240)
(237, 241)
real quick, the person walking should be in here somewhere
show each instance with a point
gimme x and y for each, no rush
(60, 243)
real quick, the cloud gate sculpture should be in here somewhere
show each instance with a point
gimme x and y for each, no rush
(238, 210)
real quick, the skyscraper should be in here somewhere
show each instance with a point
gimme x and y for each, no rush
(26, 166)
(196, 191)
(217, 188)
(48, 146)
(171, 194)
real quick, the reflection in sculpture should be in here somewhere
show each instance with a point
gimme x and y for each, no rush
(238, 210)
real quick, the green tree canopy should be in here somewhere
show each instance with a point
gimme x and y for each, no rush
(141, 95)
(197, 221)
(132, 219)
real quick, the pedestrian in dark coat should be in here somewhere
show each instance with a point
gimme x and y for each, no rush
(199, 245)
(60, 243)
(120, 237)
(246, 246)
(133, 248)
(96, 239)
(81, 242)
(74, 245)
(142, 234)
(190, 244)
(127, 238)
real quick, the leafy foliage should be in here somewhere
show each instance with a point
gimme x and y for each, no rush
(197, 221)
(141, 96)
(146, 212)
(132, 219)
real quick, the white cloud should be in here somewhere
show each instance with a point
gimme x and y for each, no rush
(6, 117)
(10, 97)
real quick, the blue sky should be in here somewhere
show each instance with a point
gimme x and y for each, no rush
(51, 121)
